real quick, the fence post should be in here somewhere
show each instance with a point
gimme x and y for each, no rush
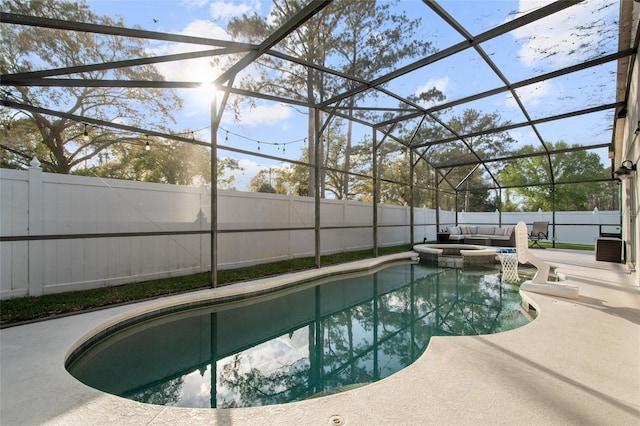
(292, 234)
(343, 222)
(36, 227)
(203, 224)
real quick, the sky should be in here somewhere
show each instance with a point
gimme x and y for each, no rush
(521, 54)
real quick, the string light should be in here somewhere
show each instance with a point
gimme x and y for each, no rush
(261, 142)
(192, 134)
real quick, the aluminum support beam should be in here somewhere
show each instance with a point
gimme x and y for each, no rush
(316, 197)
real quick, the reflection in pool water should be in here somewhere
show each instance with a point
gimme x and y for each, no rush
(304, 343)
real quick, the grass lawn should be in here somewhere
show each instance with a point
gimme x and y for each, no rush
(567, 246)
(23, 309)
(51, 305)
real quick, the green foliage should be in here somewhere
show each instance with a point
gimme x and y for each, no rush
(28, 308)
(293, 180)
(52, 305)
(470, 182)
(267, 188)
(566, 246)
(262, 182)
(21, 142)
(67, 146)
(360, 38)
(393, 167)
(465, 178)
(167, 162)
(571, 171)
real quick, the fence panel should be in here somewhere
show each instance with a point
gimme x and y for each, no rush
(70, 210)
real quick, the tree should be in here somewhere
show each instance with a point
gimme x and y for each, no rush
(20, 135)
(482, 146)
(361, 184)
(372, 43)
(531, 178)
(444, 157)
(225, 178)
(165, 161)
(366, 38)
(261, 182)
(335, 149)
(292, 179)
(309, 43)
(69, 143)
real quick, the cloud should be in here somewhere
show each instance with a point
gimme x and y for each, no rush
(194, 3)
(193, 70)
(243, 178)
(226, 10)
(567, 36)
(198, 69)
(265, 115)
(203, 28)
(531, 95)
(197, 101)
(527, 137)
(250, 170)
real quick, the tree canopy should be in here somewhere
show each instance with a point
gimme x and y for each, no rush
(363, 37)
(575, 175)
(357, 39)
(66, 143)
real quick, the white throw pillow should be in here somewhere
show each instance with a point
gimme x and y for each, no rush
(453, 230)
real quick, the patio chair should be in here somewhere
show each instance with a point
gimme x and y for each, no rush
(540, 282)
(540, 231)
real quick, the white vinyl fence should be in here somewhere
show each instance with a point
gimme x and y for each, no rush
(62, 233)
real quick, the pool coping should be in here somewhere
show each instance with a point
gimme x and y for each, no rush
(465, 249)
(577, 363)
(230, 293)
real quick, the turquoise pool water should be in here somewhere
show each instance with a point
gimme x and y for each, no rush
(303, 343)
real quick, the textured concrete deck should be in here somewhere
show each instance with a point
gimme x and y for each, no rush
(577, 363)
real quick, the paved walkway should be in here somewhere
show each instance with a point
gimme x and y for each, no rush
(577, 363)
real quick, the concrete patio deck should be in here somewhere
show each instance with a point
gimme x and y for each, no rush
(577, 363)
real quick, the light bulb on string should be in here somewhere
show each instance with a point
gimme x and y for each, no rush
(85, 135)
(259, 143)
(147, 146)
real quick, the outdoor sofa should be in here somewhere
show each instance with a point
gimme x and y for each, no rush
(481, 235)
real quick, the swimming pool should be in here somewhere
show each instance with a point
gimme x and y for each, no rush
(305, 342)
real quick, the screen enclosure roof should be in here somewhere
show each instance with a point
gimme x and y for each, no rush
(551, 71)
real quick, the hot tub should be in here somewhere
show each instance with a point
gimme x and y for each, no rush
(456, 255)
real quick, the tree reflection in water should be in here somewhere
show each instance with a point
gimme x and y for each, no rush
(328, 338)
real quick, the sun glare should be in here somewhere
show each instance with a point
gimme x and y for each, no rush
(209, 91)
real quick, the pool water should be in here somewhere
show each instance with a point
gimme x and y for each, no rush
(304, 343)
